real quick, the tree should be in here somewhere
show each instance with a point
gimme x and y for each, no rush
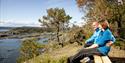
(54, 19)
(112, 10)
(30, 48)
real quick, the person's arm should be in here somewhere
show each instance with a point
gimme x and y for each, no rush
(91, 39)
(113, 39)
(107, 36)
(92, 46)
(109, 44)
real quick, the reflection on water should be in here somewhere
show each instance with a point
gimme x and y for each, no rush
(9, 50)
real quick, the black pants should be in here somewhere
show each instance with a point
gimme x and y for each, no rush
(82, 54)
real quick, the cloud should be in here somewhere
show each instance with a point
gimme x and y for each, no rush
(12, 23)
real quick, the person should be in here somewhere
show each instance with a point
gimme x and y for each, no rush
(95, 26)
(90, 41)
(100, 46)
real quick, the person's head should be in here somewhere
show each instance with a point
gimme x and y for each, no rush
(103, 24)
(95, 25)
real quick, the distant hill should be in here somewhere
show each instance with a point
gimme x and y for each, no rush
(18, 27)
(24, 29)
(7, 27)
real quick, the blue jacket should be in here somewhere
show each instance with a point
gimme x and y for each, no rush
(102, 38)
(92, 38)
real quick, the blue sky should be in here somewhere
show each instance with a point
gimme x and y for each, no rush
(27, 12)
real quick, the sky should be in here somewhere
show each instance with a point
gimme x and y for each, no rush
(16, 13)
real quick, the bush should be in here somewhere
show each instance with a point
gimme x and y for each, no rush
(29, 49)
(120, 43)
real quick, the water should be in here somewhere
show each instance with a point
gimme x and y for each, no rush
(3, 30)
(43, 40)
(9, 49)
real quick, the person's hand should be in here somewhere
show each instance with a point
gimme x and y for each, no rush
(109, 44)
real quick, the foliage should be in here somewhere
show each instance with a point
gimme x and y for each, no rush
(56, 18)
(120, 43)
(112, 10)
(24, 30)
(29, 49)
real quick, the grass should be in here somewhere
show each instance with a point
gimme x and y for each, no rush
(59, 55)
(120, 43)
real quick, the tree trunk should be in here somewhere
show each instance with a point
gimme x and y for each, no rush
(119, 22)
(58, 35)
(58, 30)
(119, 25)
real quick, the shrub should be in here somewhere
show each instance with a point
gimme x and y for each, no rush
(29, 49)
